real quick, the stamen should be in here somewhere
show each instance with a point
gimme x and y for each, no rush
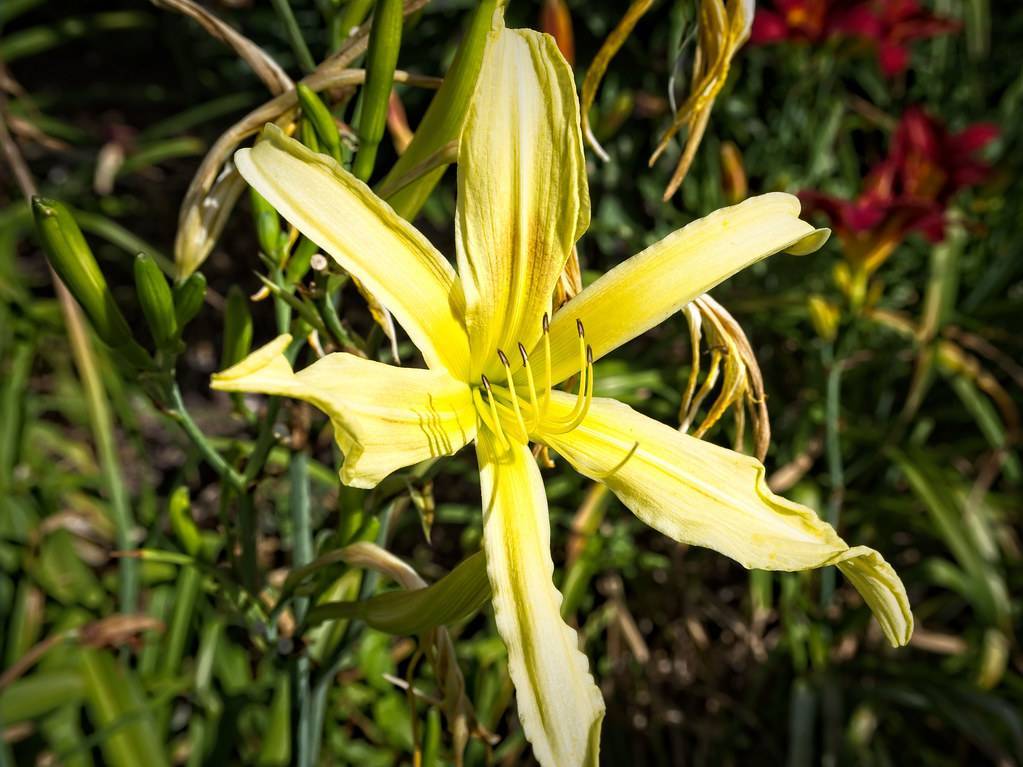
(498, 429)
(583, 398)
(546, 367)
(511, 390)
(534, 420)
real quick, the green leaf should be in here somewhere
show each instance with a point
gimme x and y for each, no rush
(39, 694)
(453, 598)
(118, 709)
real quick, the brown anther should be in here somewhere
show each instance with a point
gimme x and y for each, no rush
(522, 352)
(579, 327)
(546, 323)
(503, 357)
(589, 354)
(486, 383)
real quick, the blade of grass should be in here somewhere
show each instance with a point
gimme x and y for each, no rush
(298, 44)
(96, 399)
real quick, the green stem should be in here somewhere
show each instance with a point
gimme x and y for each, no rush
(342, 654)
(103, 431)
(250, 544)
(180, 413)
(12, 413)
(833, 451)
(302, 539)
(265, 441)
(302, 554)
(298, 46)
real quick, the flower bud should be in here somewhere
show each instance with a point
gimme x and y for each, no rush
(188, 298)
(268, 226)
(322, 121)
(381, 58)
(825, 317)
(185, 530)
(70, 256)
(733, 173)
(237, 328)
(203, 219)
(556, 21)
(397, 123)
(298, 263)
(156, 300)
(307, 135)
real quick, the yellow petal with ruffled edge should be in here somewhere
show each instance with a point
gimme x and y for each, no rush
(559, 705)
(651, 286)
(522, 193)
(368, 239)
(699, 493)
(384, 417)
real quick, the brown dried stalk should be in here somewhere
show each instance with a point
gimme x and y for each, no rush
(266, 69)
(214, 189)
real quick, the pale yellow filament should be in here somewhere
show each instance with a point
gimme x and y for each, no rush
(546, 367)
(497, 428)
(534, 420)
(583, 398)
(511, 391)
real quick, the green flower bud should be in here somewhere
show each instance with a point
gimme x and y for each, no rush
(188, 298)
(268, 225)
(70, 256)
(185, 530)
(443, 120)
(299, 262)
(237, 328)
(157, 301)
(322, 121)
(381, 58)
(307, 134)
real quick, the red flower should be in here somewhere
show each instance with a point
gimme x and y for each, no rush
(900, 22)
(791, 20)
(912, 187)
(887, 25)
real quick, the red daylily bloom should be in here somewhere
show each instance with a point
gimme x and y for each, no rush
(887, 25)
(911, 188)
(791, 20)
(899, 23)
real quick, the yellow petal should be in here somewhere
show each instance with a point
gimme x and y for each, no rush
(698, 493)
(522, 194)
(559, 705)
(385, 417)
(648, 288)
(367, 238)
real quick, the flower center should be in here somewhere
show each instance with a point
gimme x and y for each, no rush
(520, 410)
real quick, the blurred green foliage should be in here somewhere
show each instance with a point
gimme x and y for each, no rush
(700, 662)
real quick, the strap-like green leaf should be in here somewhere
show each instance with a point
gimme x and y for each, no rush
(453, 598)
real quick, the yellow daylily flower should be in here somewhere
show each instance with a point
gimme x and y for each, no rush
(493, 360)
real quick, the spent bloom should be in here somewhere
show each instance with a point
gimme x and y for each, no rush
(495, 354)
